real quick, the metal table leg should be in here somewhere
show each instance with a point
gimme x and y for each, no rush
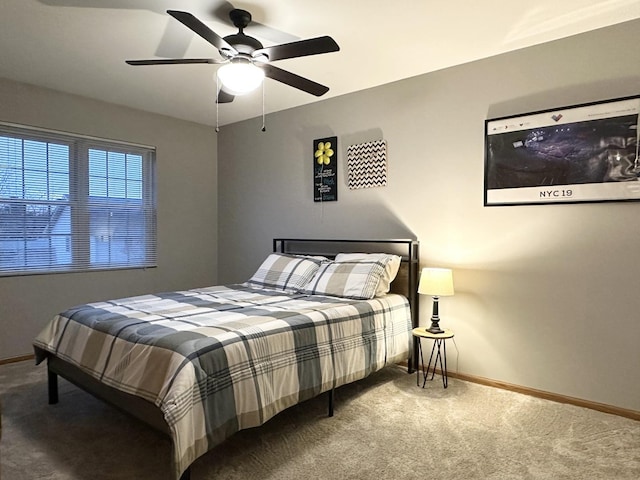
(440, 350)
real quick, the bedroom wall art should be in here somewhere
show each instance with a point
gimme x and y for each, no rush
(325, 169)
(367, 164)
(580, 153)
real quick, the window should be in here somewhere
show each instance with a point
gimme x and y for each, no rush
(72, 203)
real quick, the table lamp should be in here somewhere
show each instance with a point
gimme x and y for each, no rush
(437, 282)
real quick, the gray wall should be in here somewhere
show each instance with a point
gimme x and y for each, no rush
(187, 210)
(546, 296)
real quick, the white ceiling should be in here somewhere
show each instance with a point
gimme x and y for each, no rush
(79, 46)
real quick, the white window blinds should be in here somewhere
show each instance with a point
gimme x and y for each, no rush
(72, 203)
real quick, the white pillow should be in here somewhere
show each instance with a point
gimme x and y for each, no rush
(288, 273)
(391, 264)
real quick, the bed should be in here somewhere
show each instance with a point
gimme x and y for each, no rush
(202, 364)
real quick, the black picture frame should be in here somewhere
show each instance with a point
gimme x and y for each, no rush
(325, 173)
(574, 154)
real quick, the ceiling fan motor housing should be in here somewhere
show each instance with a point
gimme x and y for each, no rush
(242, 43)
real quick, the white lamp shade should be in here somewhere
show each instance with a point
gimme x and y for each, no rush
(239, 78)
(437, 282)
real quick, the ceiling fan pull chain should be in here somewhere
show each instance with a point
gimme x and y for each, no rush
(264, 127)
(217, 106)
(636, 163)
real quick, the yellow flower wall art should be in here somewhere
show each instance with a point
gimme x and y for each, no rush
(324, 153)
(325, 169)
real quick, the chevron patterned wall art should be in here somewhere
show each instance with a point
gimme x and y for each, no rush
(367, 164)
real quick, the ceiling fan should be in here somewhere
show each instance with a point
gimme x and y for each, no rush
(245, 60)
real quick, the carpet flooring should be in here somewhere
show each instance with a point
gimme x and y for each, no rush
(385, 427)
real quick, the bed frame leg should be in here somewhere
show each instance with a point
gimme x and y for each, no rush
(52, 379)
(331, 399)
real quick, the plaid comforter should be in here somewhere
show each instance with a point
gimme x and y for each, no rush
(220, 359)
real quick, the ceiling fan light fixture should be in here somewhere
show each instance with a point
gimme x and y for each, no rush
(240, 77)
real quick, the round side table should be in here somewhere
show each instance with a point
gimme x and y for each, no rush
(439, 348)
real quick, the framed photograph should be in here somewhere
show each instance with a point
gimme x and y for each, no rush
(580, 153)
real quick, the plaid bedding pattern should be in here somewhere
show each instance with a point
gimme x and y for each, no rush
(358, 280)
(220, 359)
(284, 272)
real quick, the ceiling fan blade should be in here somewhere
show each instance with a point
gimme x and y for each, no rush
(173, 61)
(224, 97)
(302, 48)
(293, 80)
(201, 29)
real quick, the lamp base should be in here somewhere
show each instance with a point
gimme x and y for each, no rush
(434, 328)
(435, 318)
